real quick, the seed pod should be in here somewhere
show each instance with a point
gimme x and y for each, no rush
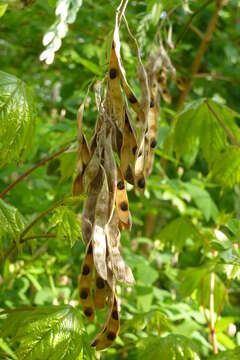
(129, 143)
(115, 92)
(111, 328)
(84, 285)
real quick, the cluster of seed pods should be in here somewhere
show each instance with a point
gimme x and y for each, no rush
(121, 150)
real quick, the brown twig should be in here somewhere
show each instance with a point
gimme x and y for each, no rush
(200, 53)
(229, 134)
(29, 171)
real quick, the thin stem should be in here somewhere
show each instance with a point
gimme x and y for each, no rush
(40, 236)
(229, 134)
(212, 316)
(200, 53)
(202, 301)
(29, 171)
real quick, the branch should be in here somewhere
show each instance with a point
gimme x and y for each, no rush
(185, 29)
(29, 171)
(201, 51)
(221, 123)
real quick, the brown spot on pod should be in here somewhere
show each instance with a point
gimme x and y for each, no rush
(153, 144)
(120, 185)
(85, 270)
(88, 312)
(115, 315)
(141, 183)
(84, 293)
(111, 336)
(113, 73)
(100, 283)
(124, 206)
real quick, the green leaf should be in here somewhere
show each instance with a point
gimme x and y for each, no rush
(95, 69)
(68, 165)
(190, 280)
(230, 256)
(16, 117)
(6, 348)
(12, 222)
(226, 167)
(170, 347)
(47, 333)
(67, 224)
(197, 123)
(178, 231)
(3, 9)
(203, 201)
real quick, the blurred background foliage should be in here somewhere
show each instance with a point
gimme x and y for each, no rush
(184, 245)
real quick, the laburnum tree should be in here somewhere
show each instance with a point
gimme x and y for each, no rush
(119, 179)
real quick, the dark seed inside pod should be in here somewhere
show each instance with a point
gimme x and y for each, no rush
(120, 185)
(140, 154)
(115, 315)
(100, 283)
(141, 183)
(134, 149)
(153, 144)
(164, 91)
(112, 73)
(132, 99)
(84, 293)
(85, 270)
(89, 249)
(151, 103)
(94, 343)
(124, 206)
(111, 335)
(88, 312)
